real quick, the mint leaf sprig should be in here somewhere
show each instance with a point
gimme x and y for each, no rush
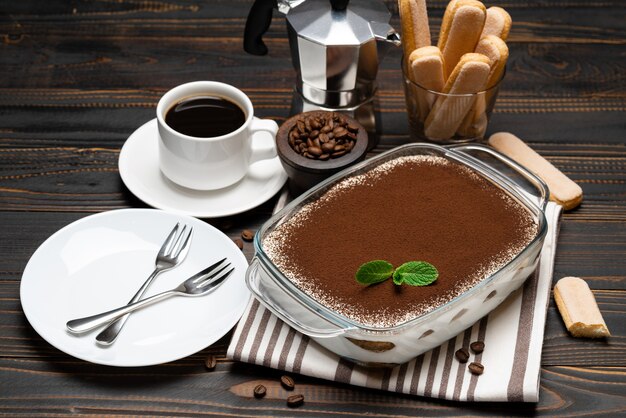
(412, 273)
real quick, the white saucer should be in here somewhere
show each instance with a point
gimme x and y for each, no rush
(97, 263)
(139, 169)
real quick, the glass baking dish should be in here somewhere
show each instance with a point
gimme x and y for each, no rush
(398, 344)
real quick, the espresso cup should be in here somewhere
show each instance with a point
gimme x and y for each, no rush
(214, 162)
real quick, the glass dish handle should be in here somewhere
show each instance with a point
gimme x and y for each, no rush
(253, 280)
(532, 178)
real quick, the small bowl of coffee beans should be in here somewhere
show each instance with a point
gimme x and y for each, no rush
(315, 145)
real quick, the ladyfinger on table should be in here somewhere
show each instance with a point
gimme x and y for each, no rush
(414, 22)
(469, 76)
(579, 309)
(495, 49)
(426, 70)
(497, 23)
(562, 189)
(461, 27)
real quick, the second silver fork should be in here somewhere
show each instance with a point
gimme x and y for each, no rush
(172, 253)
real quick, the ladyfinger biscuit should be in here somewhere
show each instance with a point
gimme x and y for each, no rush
(461, 27)
(426, 70)
(414, 22)
(426, 67)
(495, 49)
(469, 76)
(579, 309)
(498, 23)
(562, 189)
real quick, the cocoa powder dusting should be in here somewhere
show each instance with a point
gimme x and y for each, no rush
(411, 208)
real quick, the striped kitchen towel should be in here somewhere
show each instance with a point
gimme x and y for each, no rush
(513, 336)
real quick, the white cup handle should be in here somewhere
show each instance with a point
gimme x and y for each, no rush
(263, 150)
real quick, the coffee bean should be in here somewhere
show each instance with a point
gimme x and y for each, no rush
(295, 401)
(238, 243)
(287, 382)
(477, 346)
(310, 134)
(247, 235)
(210, 362)
(327, 147)
(462, 355)
(259, 391)
(476, 368)
(315, 151)
(352, 128)
(340, 132)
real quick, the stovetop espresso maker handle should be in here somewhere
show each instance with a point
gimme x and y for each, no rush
(258, 22)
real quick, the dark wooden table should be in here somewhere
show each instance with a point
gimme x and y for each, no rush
(77, 77)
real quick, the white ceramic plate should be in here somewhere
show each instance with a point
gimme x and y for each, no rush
(98, 263)
(139, 169)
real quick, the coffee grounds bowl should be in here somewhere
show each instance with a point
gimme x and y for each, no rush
(304, 172)
(391, 345)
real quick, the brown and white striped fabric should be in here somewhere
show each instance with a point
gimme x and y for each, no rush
(513, 336)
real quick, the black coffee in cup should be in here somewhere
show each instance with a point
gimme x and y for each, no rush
(205, 116)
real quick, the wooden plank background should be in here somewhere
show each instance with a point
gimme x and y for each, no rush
(77, 77)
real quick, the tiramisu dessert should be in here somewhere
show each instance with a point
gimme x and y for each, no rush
(413, 208)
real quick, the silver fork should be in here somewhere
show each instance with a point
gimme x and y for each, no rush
(199, 284)
(172, 252)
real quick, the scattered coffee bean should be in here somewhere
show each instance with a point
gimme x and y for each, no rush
(287, 382)
(259, 391)
(238, 243)
(295, 401)
(462, 355)
(477, 346)
(210, 362)
(247, 235)
(476, 368)
(320, 137)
